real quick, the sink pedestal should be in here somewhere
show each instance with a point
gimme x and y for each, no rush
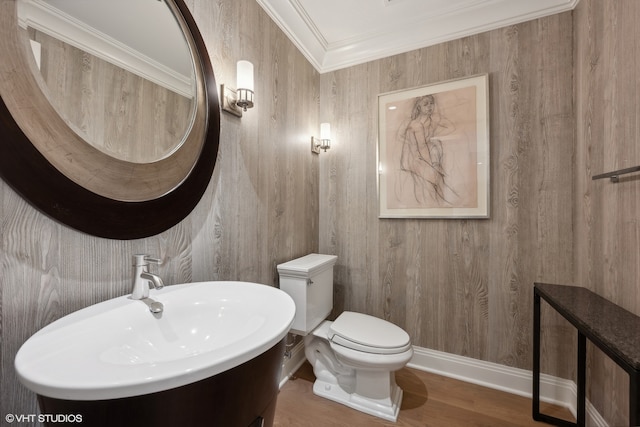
(241, 396)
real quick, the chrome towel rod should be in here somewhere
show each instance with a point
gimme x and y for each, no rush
(615, 175)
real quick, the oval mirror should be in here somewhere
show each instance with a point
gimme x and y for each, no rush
(105, 132)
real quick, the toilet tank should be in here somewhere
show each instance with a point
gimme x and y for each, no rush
(309, 281)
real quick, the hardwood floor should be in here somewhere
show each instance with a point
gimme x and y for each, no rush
(429, 401)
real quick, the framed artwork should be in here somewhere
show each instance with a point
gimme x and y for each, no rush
(433, 150)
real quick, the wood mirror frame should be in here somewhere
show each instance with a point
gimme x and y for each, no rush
(60, 174)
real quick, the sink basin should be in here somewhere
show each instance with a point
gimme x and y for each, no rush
(118, 348)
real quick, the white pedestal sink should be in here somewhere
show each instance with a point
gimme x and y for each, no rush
(118, 349)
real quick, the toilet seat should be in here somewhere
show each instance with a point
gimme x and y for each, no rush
(368, 334)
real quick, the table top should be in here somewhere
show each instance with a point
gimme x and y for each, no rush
(612, 328)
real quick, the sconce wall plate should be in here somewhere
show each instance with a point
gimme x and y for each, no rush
(315, 145)
(229, 97)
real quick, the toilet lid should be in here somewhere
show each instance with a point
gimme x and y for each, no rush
(369, 334)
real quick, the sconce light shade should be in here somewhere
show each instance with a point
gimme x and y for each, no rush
(245, 75)
(324, 142)
(325, 136)
(325, 131)
(245, 85)
(239, 100)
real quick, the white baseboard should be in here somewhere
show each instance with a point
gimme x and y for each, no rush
(557, 391)
(553, 390)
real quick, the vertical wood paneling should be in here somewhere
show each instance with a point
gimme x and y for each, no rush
(505, 193)
(260, 209)
(461, 286)
(606, 215)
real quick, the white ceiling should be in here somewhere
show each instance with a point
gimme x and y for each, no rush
(335, 34)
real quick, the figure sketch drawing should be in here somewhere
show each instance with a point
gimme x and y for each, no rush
(433, 151)
(422, 153)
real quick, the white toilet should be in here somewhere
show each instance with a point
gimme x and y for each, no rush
(354, 357)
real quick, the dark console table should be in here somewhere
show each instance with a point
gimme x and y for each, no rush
(613, 329)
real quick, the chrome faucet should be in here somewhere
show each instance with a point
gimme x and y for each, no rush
(143, 280)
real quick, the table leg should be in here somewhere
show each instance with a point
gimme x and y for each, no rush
(634, 408)
(582, 375)
(536, 357)
(536, 371)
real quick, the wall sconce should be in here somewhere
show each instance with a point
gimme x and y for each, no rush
(324, 142)
(235, 101)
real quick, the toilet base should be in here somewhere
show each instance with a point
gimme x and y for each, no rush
(384, 408)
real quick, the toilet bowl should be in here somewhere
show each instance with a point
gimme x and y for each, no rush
(354, 357)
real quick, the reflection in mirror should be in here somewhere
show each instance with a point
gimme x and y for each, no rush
(119, 72)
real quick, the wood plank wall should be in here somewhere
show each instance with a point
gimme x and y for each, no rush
(461, 286)
(607, 259)
(261, 207)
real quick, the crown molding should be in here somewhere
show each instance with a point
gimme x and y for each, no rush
(477, 17)
(298, 27)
